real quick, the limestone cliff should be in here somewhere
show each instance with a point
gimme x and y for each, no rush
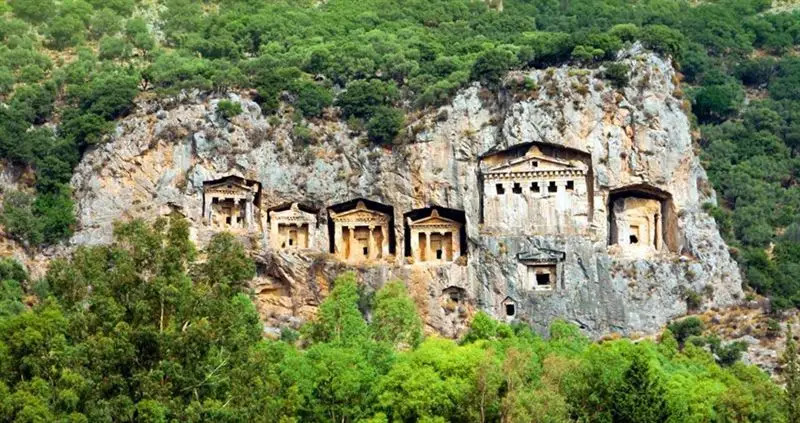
(633, 141)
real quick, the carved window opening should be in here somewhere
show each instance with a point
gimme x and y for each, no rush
(535, 187)
(534, 163)
(511, 310)
(551, 187)
(500, 189)
(542, 279)
(517, 189)
(570, 185)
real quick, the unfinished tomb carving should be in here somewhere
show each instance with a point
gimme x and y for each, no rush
(292, 227)
(434, 238)
(641, 221)
(538, 189)
(542, 269)
(231, 203)
(361, 233)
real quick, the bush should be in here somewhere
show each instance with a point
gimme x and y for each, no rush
(683, 329)
(227, 109)
(491, 65)
(617, 73)
(312, 99)
(716, 103)
(112, 48)
(363, 97)
(385, 124)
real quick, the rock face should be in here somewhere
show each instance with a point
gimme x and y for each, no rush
(632, 143)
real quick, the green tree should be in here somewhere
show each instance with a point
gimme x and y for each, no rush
(791, 376)
(395, 319)
(385, 124)
(339, 320)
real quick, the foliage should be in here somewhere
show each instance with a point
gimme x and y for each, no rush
(791, 376)
(77, 65)
(228, 109)
(147, 329)
(684, 328)
(617, 73)
(384, 124)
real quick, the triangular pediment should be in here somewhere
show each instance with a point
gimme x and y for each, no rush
(541, 255)
(293, 213)
(434, 220)
(230, 183)
(532, 163)
(360, 212)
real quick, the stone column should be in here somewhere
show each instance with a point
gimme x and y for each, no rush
(456, 244)
(352, 241)
(207, 208)
(338, 242)
(274, 235)
(385, 245)
(656, 239)
(248, 211)
(373, 253)
(428, 251)
(414, 244)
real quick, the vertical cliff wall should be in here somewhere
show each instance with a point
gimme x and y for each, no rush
(601, 145)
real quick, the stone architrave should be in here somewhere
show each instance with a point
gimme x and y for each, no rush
(292, 228)
(361, 234)
(537, 194)
(542, 269)
(441, 237)
(229, 203)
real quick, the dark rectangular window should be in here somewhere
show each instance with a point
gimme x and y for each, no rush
(517, 189)
(570, 185)
(542, 279)
(510, 310)
(552, 187)
(535, 187)
(500, 189)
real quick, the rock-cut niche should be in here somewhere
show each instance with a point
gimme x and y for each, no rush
(642, 220)
(361, 230)
(537, 189)
(435, 235)
(232, 203)
(292, 226)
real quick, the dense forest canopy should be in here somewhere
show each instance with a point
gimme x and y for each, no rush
(69, 69)
(148, 329)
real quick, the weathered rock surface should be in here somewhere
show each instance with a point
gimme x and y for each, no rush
(161, 155)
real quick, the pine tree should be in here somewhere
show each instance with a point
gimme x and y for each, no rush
(792, 378)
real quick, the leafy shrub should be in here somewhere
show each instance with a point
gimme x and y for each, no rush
(312, 99)
(617, 73)
(362, 97)
(684, 328)
(227, 109)
(385, 124)
(714, 103)
(491, 65)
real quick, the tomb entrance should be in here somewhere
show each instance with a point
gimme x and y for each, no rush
(432, 237)
(642, 221)
(231, 203)
(292, 226)
(360, 232)
(537, 189)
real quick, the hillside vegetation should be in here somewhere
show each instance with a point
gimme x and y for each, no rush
(69, 69)
(148, 330)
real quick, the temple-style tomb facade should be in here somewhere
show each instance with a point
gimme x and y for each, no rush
(231, 202)
(291, 228)
(435, 238)
(537, 193)
(361, 233)
(638, 224)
